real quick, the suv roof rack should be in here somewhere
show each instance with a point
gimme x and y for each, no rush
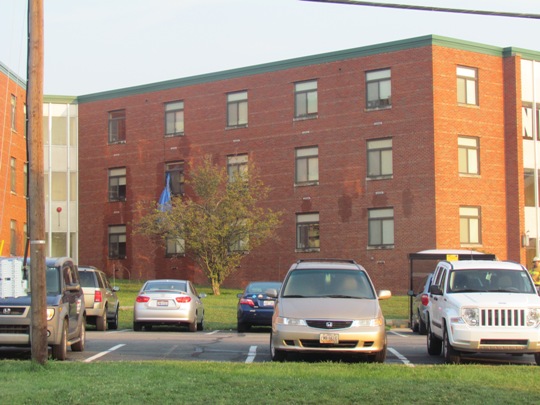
(327, 260)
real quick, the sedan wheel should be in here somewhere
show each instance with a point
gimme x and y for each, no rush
(193, 325)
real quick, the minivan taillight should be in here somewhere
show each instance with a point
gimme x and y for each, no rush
(425, 299)
(97, 296)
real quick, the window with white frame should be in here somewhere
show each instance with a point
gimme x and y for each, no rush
(305, 99)
(237, 109)
(378, 89)
(117, 242)
(381, 227)
(174, 118)
(470, 225)
(379, 158)
(176, 172)
(467, 85)
(307, 165)
(307, 231)
(117, 126)
(237, 166)
(117, 184)
(175, 247)
(468, 155)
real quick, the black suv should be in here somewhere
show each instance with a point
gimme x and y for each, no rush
(66, 323)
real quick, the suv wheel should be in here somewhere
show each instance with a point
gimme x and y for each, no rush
(101, 321)
(450, 354)
(434, 344)
(112, 324)
(422, 327)
(79, 346)
(59, 350)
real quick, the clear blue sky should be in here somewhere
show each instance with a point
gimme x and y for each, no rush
(99, 45)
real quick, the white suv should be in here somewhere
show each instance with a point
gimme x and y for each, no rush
(478, 306)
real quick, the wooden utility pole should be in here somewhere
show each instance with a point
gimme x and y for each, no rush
(36, 195)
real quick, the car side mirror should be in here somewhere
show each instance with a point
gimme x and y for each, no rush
(435, 290)
(411, 293)
(115, 288)
(384, 294)
(202, 295)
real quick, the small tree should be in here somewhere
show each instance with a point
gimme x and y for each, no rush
(218, 223)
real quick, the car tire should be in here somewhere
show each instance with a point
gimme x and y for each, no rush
(193, 325)
(537, 358)
(242, 327)
(113, 323)
(434, 344)
(59, 351)
(451, 355)
(378, 357)
(79, 346)
(101, 321)
(422, 327)
(200, 325)
(276, 354)
(137, 326)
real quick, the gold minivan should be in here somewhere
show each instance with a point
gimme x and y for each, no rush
(328, 306)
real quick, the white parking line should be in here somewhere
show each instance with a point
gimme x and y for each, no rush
(401, 357)
(213, 332)
(398, 334)
(251, 354)
(97, 356)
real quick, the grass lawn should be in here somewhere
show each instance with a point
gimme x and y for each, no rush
(182, 382)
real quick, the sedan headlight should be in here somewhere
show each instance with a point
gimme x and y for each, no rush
(471, 316)
(533, 317)
(368, 322)
(50, 313)
(291, 321)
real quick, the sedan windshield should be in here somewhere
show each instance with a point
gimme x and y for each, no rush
(328, 283)
(478, 280)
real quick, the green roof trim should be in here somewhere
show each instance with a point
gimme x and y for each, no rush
(60, 99)
(394, 46)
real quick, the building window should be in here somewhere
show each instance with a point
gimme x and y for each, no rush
(13, 174)
(237, 166)
(13, 112)
(379, 158)
(469, 225)
(378, 89)
(381, 227)
(174, 118)
(241, 237)
(307, 165)
(528, 120)
(175, 247)
(176, 172)
(307, 231)
(117, 126)
(25, 180)
(467, 85)
(529, 188)
(468, 155)
(117, 242)
(237, 109)
(305, 99)
(13, 238)
(117, 184)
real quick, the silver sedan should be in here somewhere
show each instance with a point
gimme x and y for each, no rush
(168, 302)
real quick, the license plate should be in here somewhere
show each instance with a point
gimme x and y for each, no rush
(162, 303)
(268, 303)
(332, 338)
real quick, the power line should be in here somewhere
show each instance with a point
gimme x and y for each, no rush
(428, 8)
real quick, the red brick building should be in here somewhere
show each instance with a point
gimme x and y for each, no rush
(371, 153)
(12, 163)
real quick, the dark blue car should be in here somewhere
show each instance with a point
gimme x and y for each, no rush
(255, 307)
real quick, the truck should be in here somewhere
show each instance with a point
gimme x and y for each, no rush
(66, 316)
